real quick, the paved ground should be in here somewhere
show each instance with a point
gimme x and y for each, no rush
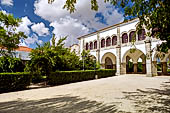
(119, 94)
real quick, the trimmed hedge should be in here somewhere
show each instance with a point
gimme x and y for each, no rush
(63, 77)
(14, 81)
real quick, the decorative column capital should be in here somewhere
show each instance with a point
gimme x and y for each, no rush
(118, 46)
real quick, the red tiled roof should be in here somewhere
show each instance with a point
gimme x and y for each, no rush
(23, 48)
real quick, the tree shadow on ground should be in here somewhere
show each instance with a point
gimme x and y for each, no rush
(60, 104)
(151, 100)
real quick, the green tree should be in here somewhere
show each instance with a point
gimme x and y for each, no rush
(153, 14)
(9, 37)
(9, 64)
(50, 58)
(88, 61)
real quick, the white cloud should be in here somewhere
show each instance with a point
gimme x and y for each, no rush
(69, 27)
(7, 2)
(40, 29)
(50, 12)
(26, 25)
(72, 25)
(3, 11)
(33, 39)
(53, 12)
(23, 27)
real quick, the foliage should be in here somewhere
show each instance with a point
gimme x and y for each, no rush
(159, 67)
(153, 14)
(140, 67)
(9, 37)
(63, 77)
(9, 64)
(14, 81)
(49, 58)
(89, 61)
(130, 66)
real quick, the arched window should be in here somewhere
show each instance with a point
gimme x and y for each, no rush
(141, 35)
(124, 38)
(91, 45)
(95, 45)
(87, 46)
(114, 40)
(102, 43)
(108, 41)
(132, 36)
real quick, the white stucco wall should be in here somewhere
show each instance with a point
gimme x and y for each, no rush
(128, 26)
(125, 27)
(90, 38)
(110, 33)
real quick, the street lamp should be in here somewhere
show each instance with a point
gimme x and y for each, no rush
(94, 63)
(83, 60)
(96, 76)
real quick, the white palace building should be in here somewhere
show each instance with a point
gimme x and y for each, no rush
(112, 48)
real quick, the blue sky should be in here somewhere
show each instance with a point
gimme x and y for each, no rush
(40, 19)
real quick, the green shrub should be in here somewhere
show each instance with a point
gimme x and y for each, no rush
(37, 78)
(63, 77)
(105, 73)
(9, 64)
(14, 81)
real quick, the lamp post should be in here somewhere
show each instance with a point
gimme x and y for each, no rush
(94, 64)
(83, 61)
(96, 76)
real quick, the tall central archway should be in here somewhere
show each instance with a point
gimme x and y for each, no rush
(134, 62)
(108, 61)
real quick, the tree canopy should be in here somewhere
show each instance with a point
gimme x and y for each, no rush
(153, 14)
(9, 37)
(55, 57)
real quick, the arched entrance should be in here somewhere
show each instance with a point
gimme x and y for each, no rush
(108, 61)
(161, 63)
(134, 62)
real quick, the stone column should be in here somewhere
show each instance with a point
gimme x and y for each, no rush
(118, 53)
(164, 67)
(82, 47)
(154, 68)
(123, 68)
(98, 49)
(148, 57)
(135, 68)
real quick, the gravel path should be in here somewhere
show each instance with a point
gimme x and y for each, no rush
(120, 94)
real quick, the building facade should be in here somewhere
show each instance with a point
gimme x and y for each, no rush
(22, 52)
(119, 47)
(75, 48)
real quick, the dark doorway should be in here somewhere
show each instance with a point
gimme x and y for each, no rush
(108, 63)
(129, 65)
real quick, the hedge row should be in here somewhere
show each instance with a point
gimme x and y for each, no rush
(14, 81)
(63, 77)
